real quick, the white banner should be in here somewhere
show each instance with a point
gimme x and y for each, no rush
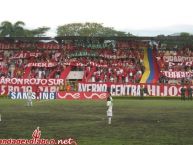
(26, 55)
(174, 58)
(190, 63)
(75, 75)
(2, 63)
(42, 64)
(177, 74)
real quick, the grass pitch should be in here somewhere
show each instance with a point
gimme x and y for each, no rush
(135, 122)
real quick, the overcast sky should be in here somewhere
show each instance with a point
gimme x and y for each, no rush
(141, 17)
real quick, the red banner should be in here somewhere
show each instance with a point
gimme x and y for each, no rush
(33, 81)
(131, 89)
(52, 85)
(60, 95)
(6, 89)
(82, 95)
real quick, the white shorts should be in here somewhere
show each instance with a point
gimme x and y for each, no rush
(29, 100)
(109, 113)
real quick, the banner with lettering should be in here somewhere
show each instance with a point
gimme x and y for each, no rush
(41, 96)
(59, 95)
(23, 45)
(33, 81)
(189, 63)
(6, 89)
(131, 89)
(175, 58)
(8, 85)
(177, 74)
(42, 64)
(21, 55)
(92, 63)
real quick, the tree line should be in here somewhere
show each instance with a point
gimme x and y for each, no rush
(17, 29)
(8, 29)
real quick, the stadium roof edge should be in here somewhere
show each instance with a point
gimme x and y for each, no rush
(157, 38)
(59, 38)
(26, 38)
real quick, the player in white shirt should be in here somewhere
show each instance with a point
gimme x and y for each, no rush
(29, 97)
(109, 109)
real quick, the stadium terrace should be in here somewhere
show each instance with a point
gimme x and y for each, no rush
(90, 64)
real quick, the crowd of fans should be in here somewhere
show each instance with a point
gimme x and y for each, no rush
(14, 64)
(101, 61)
(176, 60)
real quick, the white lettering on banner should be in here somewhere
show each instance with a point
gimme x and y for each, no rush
(152, 89)
(33, 81)
(42, 64)
(6, 89)
(24, 95)
(92, 87)
(177, 74)
(134, 89)
(48, 95)
(157, 91)
(173, 91)
(122, 90)
(189, 63)
(37, 45)
(20, 95)
(177, 58)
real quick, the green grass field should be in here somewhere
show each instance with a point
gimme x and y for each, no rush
(135, 122)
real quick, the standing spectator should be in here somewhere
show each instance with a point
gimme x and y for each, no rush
(183, 91)
(141, 92)
(38, 94)
(190, 93)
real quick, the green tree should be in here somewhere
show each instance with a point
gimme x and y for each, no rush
(9, 29)
(39, 31)
(88, 29)
(184, 34)
(17, 30)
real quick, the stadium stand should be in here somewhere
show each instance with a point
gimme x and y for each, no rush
(128, 60)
